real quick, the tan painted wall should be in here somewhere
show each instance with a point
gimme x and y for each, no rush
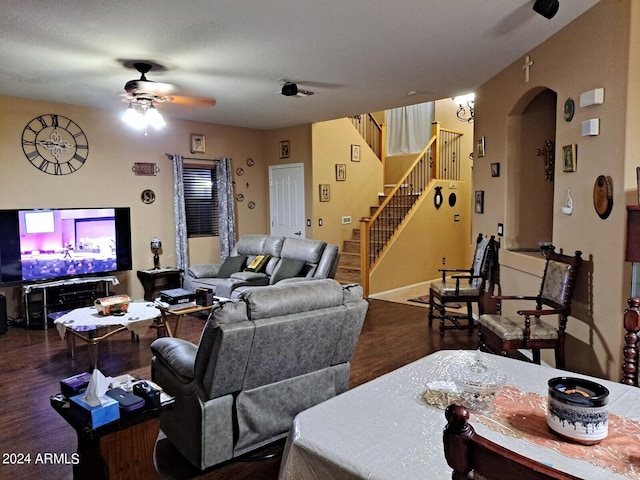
(300, 152)
(593, 51)
(107, 180)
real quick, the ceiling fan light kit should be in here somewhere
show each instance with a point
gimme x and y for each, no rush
(143, 114)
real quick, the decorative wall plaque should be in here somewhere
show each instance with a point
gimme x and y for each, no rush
(603, 196)
(140, 168)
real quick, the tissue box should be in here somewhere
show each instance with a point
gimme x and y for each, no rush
(107, 411)
(113, 305)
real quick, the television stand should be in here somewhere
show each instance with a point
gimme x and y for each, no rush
(42, 299)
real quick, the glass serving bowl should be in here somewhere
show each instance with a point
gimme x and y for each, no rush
(478, 383)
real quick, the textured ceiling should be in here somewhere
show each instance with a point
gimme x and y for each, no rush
(356, 55)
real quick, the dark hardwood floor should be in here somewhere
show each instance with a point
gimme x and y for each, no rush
(34, 361)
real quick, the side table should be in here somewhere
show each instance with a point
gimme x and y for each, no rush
(179, 312)
(156, 279)
(122, 449)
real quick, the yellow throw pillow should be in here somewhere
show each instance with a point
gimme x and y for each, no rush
(258, 263)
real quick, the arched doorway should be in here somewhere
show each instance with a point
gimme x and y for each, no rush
(529, 208)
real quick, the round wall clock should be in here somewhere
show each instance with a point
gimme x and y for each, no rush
(239, 171)
(55, 144)
(250, 162)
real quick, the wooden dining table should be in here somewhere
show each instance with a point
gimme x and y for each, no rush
(389, 429)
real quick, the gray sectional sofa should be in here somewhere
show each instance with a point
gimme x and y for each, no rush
(288, 258)
(261, 359)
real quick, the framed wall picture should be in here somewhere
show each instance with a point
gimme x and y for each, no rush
(570, 157)
(495, 169)
(341, 172)
(325, 193)
(355, 153)
(285, 149)
(480, 145)
(479, 201)
(197, 143)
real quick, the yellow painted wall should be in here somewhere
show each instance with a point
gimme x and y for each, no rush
(106, 179)
(430, 236)
(332, 142)
(593, 51)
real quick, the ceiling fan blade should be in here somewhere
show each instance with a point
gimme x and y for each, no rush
(151, 88)
(192, 100)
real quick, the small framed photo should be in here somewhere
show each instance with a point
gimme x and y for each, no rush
(341, 172)
(480, 146)
(285, 149)
(355, 153)
(325, 193)
(479, 201)
(197, 143)
(570, 157)
(495, 169)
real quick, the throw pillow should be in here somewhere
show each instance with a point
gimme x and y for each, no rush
(258, 263)
(287, 268)
(232, 265)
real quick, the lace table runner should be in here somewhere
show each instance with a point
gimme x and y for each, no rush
(524, 415)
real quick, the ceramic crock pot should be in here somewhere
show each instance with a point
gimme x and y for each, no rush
(577, 409)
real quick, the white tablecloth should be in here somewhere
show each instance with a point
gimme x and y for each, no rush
(137, 319)
(385, 430)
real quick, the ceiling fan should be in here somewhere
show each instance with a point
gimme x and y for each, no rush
(143, 90)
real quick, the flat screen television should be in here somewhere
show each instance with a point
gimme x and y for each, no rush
(58, 243)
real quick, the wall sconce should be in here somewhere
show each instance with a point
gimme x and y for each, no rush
(156, 245)
(142, 113)
(466, 105)
(547, 153)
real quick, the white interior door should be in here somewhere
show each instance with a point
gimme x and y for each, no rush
(286, 200)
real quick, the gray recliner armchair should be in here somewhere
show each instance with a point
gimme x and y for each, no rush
(261, 360)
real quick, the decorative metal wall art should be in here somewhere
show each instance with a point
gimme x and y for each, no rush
(547, 153)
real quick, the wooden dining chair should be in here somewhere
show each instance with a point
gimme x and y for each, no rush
(472, 456)
(501, 333)
(467, 287)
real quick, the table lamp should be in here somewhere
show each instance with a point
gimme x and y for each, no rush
(156, 245)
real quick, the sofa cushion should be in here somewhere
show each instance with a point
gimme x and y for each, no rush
(287, 268)
(292, 298)
(303, 249)
(179, 355)
(205, 270)
(232, 265)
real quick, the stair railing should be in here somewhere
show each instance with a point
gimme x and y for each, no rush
(370, 130)
(437, 161)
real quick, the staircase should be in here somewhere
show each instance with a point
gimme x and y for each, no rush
(349, 265)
